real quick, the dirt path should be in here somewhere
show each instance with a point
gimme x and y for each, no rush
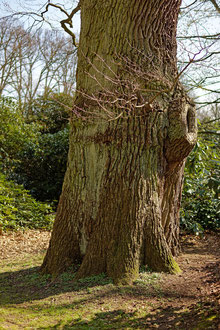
(197, 289)
(190, 300)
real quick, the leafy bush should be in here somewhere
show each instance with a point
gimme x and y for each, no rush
(200, 208)
(19, 210)
(14, 132)
(200, 202)
(35, 154)
(42, 165)
(51, 114)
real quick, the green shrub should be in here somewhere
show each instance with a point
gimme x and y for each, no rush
(19, 210)
(200, 201)
(200, 209)
(35, 154)
(14, 132)
(51, 114)
(42, 165)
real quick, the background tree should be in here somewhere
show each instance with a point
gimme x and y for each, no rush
(8, 39)
(198, 39)
(132, 130)
(35, 63)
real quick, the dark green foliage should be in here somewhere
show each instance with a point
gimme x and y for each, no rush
(200, 208)
(34, 154)
(19, 210)
(42, 165)
(51, 114)
(200, 203)
(14, 132)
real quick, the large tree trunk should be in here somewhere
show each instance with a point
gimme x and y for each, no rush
(132, 128)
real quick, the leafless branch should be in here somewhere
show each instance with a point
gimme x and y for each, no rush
(208, 37)
(215, 4)
(67, 21)
(211, 121)
(190, 5)
(123, 93)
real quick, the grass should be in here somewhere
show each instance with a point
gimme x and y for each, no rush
(29, 300)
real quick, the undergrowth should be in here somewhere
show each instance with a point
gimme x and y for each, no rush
(19, 210)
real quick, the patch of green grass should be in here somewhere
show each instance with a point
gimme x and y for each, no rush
(100, 279)
(26, 262)
(148, 278)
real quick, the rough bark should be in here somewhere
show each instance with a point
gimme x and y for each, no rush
(121, 195)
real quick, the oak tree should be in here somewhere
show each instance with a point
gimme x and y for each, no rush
(132, 128)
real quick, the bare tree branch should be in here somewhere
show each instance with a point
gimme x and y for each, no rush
(67, 21)
(211, 121)
(208, 37)
(215, 5)
(190, 5)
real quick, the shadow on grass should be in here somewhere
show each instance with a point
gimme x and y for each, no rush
(196, 317)
(29, 285)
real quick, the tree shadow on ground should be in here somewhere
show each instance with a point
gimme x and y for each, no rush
(29, 285)
(195, 317)
(190, 245)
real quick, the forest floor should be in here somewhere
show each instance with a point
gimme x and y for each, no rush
(29, 300)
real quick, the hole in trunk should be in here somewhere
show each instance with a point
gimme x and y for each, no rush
(190, 119)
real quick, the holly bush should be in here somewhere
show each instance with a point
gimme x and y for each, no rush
(51, 114)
